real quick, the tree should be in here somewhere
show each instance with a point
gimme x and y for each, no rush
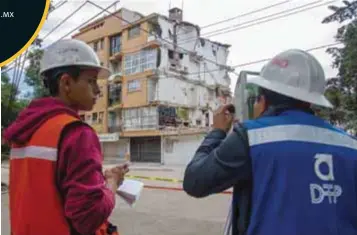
(33, 78)
(342, 90)
(10, 107)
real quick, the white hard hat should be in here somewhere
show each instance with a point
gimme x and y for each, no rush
(71, 52)
(296, 74)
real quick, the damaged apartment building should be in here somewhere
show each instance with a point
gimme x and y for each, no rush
(167, 80)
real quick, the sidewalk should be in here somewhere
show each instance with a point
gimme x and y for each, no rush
(136, 169)
(158, 176)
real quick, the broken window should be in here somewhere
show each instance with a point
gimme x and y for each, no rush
(171, 54)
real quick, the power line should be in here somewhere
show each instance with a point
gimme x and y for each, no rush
(57, 6)
(242, 15)
(86, 22)
(255, 61)
(275, 18)
(65, 19)
(254, 21)
(222, 21)
(267, 59)
(246, 14)
(76, 28)
(19, 74)
(246, 26)
(211, 61)
(19, 68)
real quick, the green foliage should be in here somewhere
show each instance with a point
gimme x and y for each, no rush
(33, 78)
(342, 90)
(9, 108)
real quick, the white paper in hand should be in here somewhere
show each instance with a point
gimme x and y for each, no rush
(130, 191)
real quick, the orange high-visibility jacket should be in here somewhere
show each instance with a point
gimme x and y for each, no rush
(36, 207)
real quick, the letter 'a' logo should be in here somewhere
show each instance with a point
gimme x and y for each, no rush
(327, 190)
(326, 159)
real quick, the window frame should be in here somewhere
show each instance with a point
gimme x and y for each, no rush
(136, 87)
(134, 32)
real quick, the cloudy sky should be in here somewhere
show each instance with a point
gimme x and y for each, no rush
(303, 30)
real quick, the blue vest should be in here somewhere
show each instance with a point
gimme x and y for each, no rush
(304, 176)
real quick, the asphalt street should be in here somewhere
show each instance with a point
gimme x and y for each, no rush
(159, 211)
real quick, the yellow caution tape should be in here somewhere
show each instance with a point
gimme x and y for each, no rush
(154, 178)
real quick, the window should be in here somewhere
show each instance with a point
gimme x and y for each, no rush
(116, 66)
(140, 118)
(95, 46)
(94, 117)
(101, 91)
(114, 93)
(88, 119)
(100, 119)
(140, 61)
(115, 44)
(134, 32)
(102, 44)
(133, 85)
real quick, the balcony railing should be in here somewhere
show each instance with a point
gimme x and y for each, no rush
(112, 129)
(115, 50)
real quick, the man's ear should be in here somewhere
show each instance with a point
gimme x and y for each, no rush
(64, 82)
(263, 102)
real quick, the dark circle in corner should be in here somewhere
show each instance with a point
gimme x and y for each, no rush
(19, 24)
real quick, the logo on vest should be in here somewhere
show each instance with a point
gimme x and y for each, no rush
(327, 189)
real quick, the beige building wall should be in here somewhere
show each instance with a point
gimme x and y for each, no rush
(99, 33)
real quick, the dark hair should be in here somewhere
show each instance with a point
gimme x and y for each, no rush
(274, 99)
(52, 77)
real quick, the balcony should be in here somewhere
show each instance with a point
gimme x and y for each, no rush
(114, 129)
(115, 105)
(152, 42)
(99, 128)
(115, 47)
(116, 56)
(114, 96)
(116, 53)
(116, 77)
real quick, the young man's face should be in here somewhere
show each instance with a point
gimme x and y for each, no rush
(83, 91)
